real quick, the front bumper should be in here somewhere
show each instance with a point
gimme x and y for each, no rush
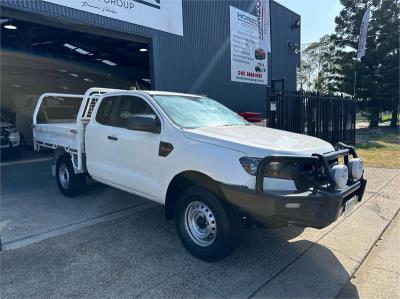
(9, 142)
(307, 209)
(317, 207)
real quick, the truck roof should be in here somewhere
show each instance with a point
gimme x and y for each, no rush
(157, 92)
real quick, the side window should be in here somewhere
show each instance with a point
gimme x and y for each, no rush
(129, 106)
(104, 113)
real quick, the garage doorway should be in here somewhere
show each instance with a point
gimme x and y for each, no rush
(37, 58)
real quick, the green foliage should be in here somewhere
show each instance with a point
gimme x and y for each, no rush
(332, 60)
(377, 83)
(317, 65)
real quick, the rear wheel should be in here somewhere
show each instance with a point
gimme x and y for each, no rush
(69, 183)
(17, 151)
(207, 227)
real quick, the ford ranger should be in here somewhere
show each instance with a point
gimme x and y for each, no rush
(207, 165)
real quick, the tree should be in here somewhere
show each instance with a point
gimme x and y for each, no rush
(317, 65)
(377, 74)
(304, 73)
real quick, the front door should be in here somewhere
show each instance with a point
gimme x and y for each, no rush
(100, 143)
(133, 155)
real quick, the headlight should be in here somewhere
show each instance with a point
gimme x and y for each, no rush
(281, 170)
(13, 130)
(278, 170)
(340, 174)
(250, 164)
(356, 168)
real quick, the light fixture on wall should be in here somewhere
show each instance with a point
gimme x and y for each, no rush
(69, 46)
(295, 48)
(10, 27)
(146, 80)
(108, 62)
(296, 24)
(143, 50)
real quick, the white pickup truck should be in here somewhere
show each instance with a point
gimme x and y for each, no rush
(210, 168)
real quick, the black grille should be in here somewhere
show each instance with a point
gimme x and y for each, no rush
(4, 141)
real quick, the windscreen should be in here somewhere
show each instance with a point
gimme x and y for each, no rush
(195, 112)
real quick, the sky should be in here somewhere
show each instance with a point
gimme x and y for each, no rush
(317, 17)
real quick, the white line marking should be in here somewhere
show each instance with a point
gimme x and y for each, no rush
(25, 161)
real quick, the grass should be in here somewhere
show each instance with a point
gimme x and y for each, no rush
(379, 147)
(385, 118)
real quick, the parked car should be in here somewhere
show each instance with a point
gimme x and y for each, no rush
(207, 165)
(11, 139)
(253, 117)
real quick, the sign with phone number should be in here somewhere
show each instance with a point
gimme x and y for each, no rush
(248, 56)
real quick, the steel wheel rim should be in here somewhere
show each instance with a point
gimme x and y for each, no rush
(200, 223)
(63, 174)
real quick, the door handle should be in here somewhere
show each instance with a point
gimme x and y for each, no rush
(112, 138)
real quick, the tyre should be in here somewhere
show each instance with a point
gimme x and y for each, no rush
(207, 226)
(69, 183)
(17, 151)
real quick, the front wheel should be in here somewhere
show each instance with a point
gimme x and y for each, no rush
(207, 227)
(69, 183)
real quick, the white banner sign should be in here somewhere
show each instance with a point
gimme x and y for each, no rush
(248, 58)
(264, 24)
(165, 15)
(363, 34)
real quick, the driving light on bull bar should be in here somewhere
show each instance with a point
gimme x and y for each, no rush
(340, 174)
(356, 168)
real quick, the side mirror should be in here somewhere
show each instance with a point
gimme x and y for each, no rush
(144, 122)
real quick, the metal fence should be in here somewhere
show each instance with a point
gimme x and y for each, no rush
(328, 117)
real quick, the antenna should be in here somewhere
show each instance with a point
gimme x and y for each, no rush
(137, 85)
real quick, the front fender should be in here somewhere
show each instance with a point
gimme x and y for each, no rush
(219, 163)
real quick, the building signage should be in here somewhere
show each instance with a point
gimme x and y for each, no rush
(163, 15)
(248, 53)
(264, 24)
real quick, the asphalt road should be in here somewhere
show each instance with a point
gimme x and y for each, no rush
(140, 255)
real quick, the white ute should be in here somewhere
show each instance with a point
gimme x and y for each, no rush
(213, 171)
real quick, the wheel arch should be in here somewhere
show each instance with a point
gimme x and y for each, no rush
(184, 180)
(57, 153)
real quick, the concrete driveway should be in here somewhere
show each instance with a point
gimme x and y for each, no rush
(140, 255)
(32, 208)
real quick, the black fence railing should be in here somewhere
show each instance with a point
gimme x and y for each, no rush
(332, 118)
